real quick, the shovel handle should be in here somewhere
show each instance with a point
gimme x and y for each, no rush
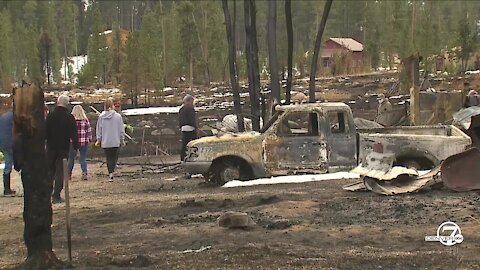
(66, 179)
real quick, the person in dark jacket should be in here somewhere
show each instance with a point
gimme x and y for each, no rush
(61, 129)
(473, 99)
(188, 123)
(6, 126)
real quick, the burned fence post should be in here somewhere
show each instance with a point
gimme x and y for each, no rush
(29, 157)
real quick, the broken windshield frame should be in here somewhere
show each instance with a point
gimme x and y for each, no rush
(271, 121)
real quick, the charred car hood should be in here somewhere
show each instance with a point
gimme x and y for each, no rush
(245, 145)
(227, 138)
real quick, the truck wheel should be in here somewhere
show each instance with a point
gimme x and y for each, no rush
(417, 163)
(230, 169)
(411, 164)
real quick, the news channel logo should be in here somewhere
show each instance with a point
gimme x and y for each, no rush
(448, 233)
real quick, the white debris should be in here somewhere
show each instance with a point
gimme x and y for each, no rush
(151, 110)
(293, 179)
(203, 248)
(469, 72)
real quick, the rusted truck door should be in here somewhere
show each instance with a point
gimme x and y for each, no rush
(294, 145)
(341, 140)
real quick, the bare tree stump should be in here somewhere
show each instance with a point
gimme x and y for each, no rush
(30, 159)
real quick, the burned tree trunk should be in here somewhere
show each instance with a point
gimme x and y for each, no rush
(288, 18)
(252, 62)
(272, 50)
(29, 157)
(318, 41)
(232, 59)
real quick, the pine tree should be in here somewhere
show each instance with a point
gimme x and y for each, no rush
(28, 38)
(467, 38)
(188, 38)
(150, 46)
(131, 68)
(67, 12)
(6, 51)
(49, 45)
(98, 66)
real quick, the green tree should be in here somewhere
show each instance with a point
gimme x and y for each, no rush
(98, 66)
(188, 38)
(27, 38)
(6, 51)
(49, 45)
(66, 24)
(131, 68)
(150, 46)
(467, 39)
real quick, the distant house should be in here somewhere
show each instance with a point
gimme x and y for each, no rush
(345, 48)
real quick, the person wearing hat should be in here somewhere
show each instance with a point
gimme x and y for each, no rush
(188, 123)
(384, 105)
(472, 99)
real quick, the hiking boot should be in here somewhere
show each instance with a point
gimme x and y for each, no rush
(9, 192)
(84, 177)
(56, 200)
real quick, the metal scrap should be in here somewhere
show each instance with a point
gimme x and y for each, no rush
(461, 172)
(403, 183)
(463, 117)
(391, 174)
(379, 166)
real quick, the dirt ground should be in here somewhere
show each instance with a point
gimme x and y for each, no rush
(143, 219)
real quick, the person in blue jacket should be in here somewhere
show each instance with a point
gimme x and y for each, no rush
(6, 127)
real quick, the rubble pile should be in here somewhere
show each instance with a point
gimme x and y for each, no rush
(458, 173)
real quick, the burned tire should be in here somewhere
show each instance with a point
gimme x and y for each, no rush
(417, 163)
(228, 169)
(411, 164)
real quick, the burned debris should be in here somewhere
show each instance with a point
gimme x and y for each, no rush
(459, 172)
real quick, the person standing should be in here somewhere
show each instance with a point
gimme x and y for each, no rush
(110, 135)
(84, 132)
(61, 129)
(188, 123)
(6, 126)
(473, 99)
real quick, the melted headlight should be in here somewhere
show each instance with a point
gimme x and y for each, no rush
(192, 153)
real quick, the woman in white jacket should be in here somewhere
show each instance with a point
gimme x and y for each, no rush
(110, 135)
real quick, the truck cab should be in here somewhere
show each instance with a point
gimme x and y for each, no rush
(310, 138)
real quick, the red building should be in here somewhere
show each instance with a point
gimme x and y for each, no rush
(348, 50)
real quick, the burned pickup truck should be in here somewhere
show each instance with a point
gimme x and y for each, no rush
(317, 138)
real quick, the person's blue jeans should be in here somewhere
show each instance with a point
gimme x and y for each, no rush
(8, 153)
(83, 158)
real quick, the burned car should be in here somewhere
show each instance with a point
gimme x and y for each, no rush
(317, 138)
